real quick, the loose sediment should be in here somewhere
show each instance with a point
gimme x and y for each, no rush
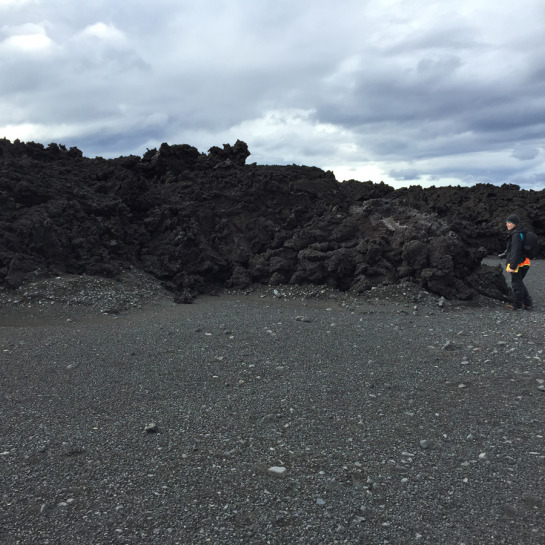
(279, 415)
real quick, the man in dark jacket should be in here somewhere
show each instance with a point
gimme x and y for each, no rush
(518, 264)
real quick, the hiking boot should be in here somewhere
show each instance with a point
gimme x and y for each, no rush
(510, 306)
(527, 307)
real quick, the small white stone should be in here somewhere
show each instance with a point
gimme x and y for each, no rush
(277, 470)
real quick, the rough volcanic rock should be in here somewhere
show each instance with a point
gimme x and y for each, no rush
(477, 213)
(197, 221)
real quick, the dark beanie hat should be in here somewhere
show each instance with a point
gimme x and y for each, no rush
(513, 218)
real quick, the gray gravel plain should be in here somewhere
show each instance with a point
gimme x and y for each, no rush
(274, 416)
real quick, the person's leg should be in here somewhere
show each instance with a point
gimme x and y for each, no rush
(526, 299)
(518, 286)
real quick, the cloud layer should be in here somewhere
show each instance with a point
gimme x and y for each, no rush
(392, 90)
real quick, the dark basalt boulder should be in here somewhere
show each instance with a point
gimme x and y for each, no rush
(201, 221)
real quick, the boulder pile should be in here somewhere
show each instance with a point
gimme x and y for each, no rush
(200, 221)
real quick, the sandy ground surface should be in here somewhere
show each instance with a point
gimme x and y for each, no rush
(270, 418)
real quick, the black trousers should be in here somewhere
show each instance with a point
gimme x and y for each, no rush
(522, 297)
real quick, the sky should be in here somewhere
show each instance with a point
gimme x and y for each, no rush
(409, 92)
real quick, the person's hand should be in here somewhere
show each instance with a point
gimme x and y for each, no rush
(509, 269)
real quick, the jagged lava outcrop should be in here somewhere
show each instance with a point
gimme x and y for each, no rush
(201, 221)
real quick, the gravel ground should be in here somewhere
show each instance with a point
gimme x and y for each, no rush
(273, 416)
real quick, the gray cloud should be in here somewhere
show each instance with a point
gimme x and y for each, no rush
(525, 153)
(395, 90)
(405, 175)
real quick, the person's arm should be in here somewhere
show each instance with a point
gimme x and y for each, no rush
(516, 251)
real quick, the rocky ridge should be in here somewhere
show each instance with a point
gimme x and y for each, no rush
(201, 222)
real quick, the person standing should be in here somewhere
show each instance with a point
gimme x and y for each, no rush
(518, 264)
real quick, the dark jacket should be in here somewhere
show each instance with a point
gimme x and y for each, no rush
(515, 251)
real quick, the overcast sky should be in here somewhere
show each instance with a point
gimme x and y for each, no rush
(409, 92)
